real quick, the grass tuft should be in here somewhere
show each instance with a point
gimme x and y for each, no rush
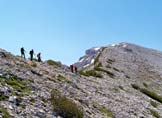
(149, 93)
(17, 84)
(53, 63)
(154, 104)
(145, 84)
(4, 112)
(91, 73)
(155, 114)
(110, 74)
(104, 110)
(64, 107)
(135, 86)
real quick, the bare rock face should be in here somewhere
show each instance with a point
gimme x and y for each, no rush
(124, 82)
(89, 57)
(132, 65)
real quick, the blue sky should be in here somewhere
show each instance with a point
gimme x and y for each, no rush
(63, 29)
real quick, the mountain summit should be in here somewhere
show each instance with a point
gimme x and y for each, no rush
(116, 81)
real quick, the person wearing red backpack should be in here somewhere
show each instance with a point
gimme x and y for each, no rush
(71, 68)
(76, 69)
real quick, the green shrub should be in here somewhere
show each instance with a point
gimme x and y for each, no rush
(61, 78)
(18, 85)
(135, 86)
(99, 65)
(110, 61)
(116, 69)
(4, 112)
(102, 109)
(64, 107)
(107, 112)
(34, 64)
(82, 73)
(32, 100)
(110, 74)
(91, 73)
(53, 63)
(2, 79)
(155, 114)
(145, 84)
(154, 104)
(151, 94)
(3, 97)
(15, 82)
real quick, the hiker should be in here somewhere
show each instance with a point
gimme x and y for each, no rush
(76, 69)
(31, 54)
(22, 52)
(39, 57)
(71, 68)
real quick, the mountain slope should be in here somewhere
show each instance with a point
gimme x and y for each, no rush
(128, 84)
(26, 87)
(122, 66)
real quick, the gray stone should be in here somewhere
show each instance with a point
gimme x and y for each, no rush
(130, 64)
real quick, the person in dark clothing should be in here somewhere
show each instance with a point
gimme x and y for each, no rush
(71, 68)
(76, 69)
(31, 54)
(22, 52)
(39, 57)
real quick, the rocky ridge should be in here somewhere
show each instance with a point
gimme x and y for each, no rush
(126, 70)
(88, 58)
